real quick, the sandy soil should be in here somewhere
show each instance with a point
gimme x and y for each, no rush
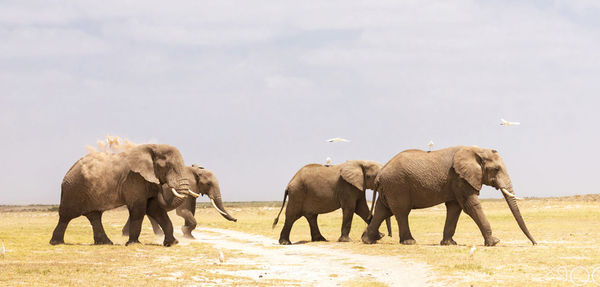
(310, 265)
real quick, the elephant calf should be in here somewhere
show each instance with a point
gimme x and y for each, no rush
(317, 189)
(202, 181)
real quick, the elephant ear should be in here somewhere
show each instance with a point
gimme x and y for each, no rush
(352, 173)
(467, 165)
(140, 160)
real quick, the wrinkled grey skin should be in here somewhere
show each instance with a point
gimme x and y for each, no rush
(317, 189)
(101, 181)
(202, 181)
(416, 179)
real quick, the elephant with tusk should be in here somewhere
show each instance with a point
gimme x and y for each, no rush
(416, 179)
(317, 189)
(101, 181)
(202, 182)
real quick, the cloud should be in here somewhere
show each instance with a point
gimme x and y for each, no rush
(230, 81)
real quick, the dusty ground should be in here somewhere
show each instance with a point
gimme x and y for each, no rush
(314, 264)
(567, 230)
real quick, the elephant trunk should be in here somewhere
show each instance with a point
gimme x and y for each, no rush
(217, 203)
(514, 208)
(167, 199)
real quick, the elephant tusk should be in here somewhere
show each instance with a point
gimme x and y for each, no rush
(177, 193)
(509, 194)
(193, 193)
(215, 206)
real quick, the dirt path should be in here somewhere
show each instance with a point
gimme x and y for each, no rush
(307, 264)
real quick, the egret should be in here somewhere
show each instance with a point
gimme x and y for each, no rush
(221, 256)
(430, 145)
(472, 251)
(506, 123)
(328, 161)
(2, 249)
(335, 140)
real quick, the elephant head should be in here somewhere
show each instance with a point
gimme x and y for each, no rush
(361, 173)
(207, 184)
(479, 166)
(162, 165)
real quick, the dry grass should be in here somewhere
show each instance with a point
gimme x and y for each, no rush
(31, 261)
(568, 233)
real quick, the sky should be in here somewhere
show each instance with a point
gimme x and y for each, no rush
(252, 89)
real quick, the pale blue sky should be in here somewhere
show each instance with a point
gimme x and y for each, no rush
(251, 89)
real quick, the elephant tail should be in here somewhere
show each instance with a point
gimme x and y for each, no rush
(282, 205)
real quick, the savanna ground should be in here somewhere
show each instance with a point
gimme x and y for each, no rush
(567, 254)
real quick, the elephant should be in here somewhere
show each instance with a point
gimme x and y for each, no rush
(415, 179)
(317, 189)
(101, 181)
(203, 182)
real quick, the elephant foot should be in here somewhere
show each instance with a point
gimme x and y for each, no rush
(103, 242)
(448, 242)
(187, 232)
(492, 241)
(408, 242)
(344, 239)
(56, 241)
(132, 242)
(170, 242)
(319, 238)
(285, 242)
(366, 239)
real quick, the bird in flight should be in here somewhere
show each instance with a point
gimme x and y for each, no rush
(506, 123)
(335, 140)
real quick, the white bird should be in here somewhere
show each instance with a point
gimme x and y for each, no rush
(335, 140)
(221, 256)
(430, 145)
(2, 250)
(328, 161)
(472, 251)
(506, 123)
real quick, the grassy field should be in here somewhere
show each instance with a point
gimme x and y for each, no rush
(567, 230)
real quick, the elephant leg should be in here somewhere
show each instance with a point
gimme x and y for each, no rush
(190, 222)
(315, 233)
(125, 230)
(403, 228)
(160, 216)
(95, 218)
(136, 216)
(348, 213)
(382, 212)
(472, 207)
(362, 210)
(452, 214)
(58, 236)
(155, 227)
(388, 224)
(362, 207)
(290, 218)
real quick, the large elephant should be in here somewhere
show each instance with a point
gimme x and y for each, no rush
(101, 181)
(202, 181)
(416, 179)
(317, 189)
